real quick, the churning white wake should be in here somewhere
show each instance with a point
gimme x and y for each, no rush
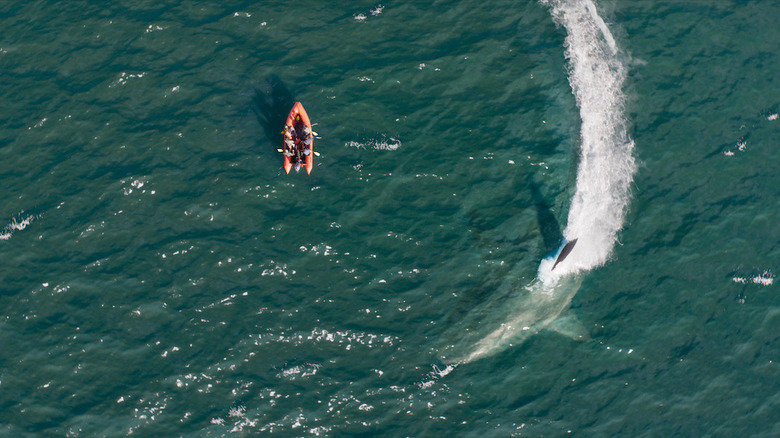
(606, 164)
(17, 224)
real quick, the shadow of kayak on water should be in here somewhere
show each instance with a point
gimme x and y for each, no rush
(272, 102)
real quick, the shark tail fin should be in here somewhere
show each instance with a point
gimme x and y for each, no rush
(571, 327)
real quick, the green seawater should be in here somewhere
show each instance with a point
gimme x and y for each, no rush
(160, 274)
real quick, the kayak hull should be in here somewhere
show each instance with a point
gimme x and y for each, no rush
(297, 112)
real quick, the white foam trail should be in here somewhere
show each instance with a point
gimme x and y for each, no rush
(15, 225)
(602, 26)
(606, 166)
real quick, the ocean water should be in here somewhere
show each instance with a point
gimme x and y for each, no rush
(162, 276)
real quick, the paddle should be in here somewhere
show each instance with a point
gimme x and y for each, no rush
(282, 151)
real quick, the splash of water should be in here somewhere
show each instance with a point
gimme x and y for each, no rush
(606, 164)
(17, 224)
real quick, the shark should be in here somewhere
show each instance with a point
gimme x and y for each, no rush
(597, 210)
(541, 305)
(541, 309)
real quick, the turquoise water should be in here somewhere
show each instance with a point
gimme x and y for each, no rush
(162, 276)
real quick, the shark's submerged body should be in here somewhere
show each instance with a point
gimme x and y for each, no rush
(516, 315)
(538, 308)
(597, 212)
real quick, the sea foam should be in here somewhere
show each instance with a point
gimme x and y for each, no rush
(17, 224)
(606, 164)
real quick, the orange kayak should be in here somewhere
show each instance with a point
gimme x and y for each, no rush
(298, 144)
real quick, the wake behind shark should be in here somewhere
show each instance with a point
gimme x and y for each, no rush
(604, 175)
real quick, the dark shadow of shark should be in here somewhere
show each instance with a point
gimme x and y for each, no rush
(552, 236)
(549, 226)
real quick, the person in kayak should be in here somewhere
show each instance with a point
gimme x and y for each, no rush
(293, 144)
(297, 142)
(289, 147)
(307, 139)
(289, 142)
